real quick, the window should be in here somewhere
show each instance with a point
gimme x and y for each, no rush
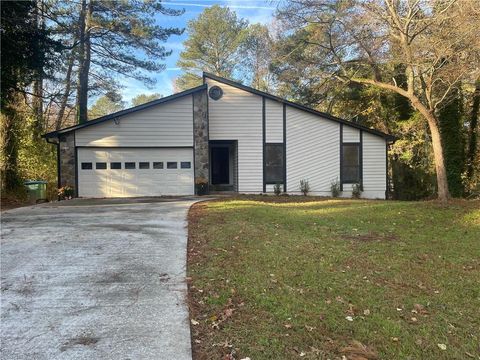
(144, 165)
(185, 165)
(100, 166)
(115, 165)
(274, 169)
(129, 165)
(158, 165)
(171, 165)
(351, 163)
(87, 166)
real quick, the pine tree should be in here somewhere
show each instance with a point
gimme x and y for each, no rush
(213, 44)
(119, 37)
(144, 98)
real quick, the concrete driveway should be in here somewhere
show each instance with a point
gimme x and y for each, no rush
(93, 279)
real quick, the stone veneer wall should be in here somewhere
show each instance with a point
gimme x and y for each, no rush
(200, 134)
(67, 160)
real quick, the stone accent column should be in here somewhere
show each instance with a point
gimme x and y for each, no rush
(67, 160)
(200, 134)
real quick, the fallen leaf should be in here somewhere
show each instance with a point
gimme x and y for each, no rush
(349, 318)
(228, 313)
(194, 322)
(366, 312)
(357, 350)
(288, 326)
(442, 346)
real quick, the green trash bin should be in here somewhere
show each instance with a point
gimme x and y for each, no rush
(37, 191)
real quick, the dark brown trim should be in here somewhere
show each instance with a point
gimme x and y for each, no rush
(264, 133)
(284, 147)
(387, 179)
(360, 155)
(193, 145)
(76, 164)
(295, 105)
(360, 164)
(341, 157)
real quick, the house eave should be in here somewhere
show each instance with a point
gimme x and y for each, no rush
(389, 138)
(55, 134)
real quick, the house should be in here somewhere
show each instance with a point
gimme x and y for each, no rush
(235, 137)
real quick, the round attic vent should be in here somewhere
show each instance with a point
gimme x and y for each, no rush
(215, 92)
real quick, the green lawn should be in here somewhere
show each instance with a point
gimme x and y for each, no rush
(280, 278)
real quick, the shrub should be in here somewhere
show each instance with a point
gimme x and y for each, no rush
(277, 189)
(356, 191)
(304, 187)
(67, 192)
(335, 188)
(201, 185)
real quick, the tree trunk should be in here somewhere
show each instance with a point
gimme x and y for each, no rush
(442, 183)
(11, 180)
(84, 61)
(37, 101)
(66, 94)
(472, 136)
(37, 104)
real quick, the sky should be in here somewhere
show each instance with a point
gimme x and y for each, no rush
(255, 11)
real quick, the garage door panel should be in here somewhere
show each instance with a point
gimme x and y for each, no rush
(135, 182)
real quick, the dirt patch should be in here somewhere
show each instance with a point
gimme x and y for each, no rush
(196, 243)
(276, 199)
(83, 339)
(8, 203)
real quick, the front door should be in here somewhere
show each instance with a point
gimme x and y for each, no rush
(220, 160)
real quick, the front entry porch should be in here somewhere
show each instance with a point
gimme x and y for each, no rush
(223, 166)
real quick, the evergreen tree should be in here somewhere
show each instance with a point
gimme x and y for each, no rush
(26, 52)
(119, 37)
(257, 50)
(144, 98)
(106, 104)
(213, 44)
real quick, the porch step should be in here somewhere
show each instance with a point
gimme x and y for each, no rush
(221, 187)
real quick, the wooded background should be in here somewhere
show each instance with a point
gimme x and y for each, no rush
(410, 68)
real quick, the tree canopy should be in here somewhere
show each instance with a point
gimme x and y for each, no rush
(213, 43)
(144, 98)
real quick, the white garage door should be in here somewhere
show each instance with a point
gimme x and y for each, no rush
(121, 172)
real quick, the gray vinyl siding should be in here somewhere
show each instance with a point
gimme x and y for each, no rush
(273, 121)
(168, 124)
(238, 116)
(374, 166)
(313, 151)
(350, 134)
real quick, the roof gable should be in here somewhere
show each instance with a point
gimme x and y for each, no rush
(295, 105)
(120, 113)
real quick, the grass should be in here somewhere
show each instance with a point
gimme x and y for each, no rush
(281, 278)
